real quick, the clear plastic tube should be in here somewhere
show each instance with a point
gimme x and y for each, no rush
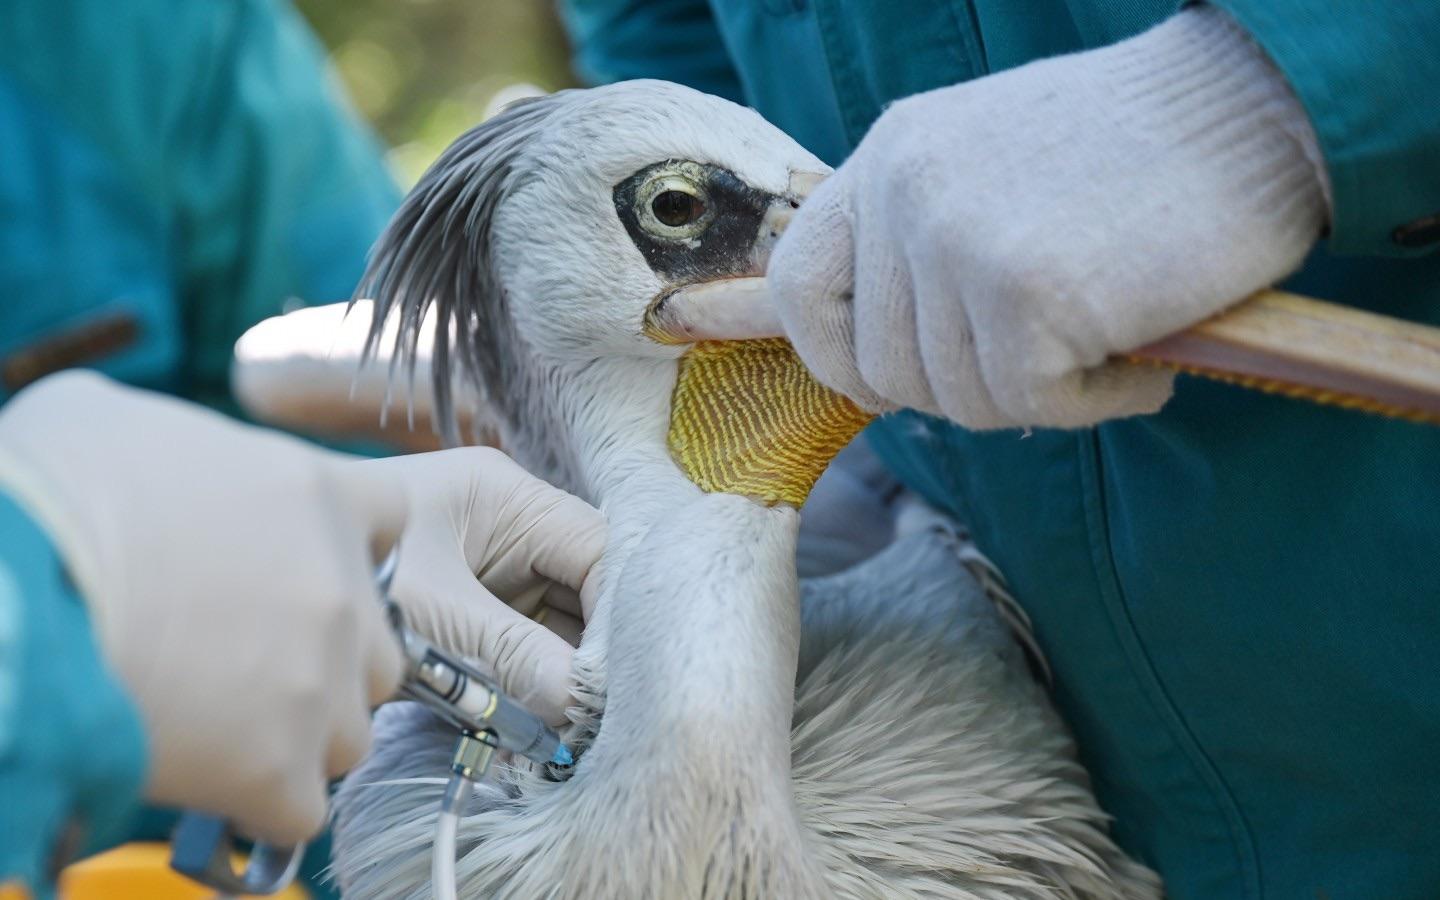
(442, 859)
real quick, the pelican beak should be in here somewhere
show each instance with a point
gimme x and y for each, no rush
(778, 217)
(731, 309)
(746, 417)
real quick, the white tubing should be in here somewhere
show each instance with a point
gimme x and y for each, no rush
(442, 856)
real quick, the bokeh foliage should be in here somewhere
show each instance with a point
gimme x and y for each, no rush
(422, 71)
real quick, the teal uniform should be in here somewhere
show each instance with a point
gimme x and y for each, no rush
(171, 172)
(1240, 595)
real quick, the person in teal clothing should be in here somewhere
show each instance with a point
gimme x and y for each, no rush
(187, 609)
(1237, 592)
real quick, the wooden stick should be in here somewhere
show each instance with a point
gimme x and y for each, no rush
(302, 370)
(1294, 345)
(1274, 341)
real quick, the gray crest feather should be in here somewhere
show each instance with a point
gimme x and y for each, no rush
(435, 251)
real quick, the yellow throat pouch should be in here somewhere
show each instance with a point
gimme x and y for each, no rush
(747, 418)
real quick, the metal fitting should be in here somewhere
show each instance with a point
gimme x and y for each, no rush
(472, 755)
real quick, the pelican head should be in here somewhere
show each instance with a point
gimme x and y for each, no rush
(547, 238)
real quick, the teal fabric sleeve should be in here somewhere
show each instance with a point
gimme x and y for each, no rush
(616, 40)
(72, 752)
(224, 177)
(1367, 74)
(283, 189)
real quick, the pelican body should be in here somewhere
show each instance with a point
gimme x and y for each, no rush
(870, 734)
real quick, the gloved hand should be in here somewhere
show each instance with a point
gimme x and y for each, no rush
(488, 545)
(228, 573)
(989, 245)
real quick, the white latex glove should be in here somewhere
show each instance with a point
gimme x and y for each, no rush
(486, 547)
(988, 245)
(229, 575)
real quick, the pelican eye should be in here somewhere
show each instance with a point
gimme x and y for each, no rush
(674, 206)
(677, 208)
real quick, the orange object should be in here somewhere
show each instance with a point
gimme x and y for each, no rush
(139, 871)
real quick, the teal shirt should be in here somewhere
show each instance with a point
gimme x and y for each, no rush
(1240, 596)
(185, 165)
(171, 173)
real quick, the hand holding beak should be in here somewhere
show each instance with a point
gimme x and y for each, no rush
(990, 246)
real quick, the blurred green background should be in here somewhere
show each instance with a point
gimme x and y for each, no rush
(422, 71)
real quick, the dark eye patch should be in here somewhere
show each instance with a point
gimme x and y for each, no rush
(722, 250)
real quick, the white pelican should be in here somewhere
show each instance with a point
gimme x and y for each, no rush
(879, 738)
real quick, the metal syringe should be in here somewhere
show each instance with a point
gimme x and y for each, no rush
(203, 845)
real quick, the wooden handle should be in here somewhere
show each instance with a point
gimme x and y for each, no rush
(1274, 341)
(302, 370)
(1321, 351)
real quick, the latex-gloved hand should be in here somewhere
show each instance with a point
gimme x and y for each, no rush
(229, 576)
(487, 546)
(989, 245)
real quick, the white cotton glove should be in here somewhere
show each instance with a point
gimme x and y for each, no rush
(989, 245)
(229, 576)
(487, 547)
